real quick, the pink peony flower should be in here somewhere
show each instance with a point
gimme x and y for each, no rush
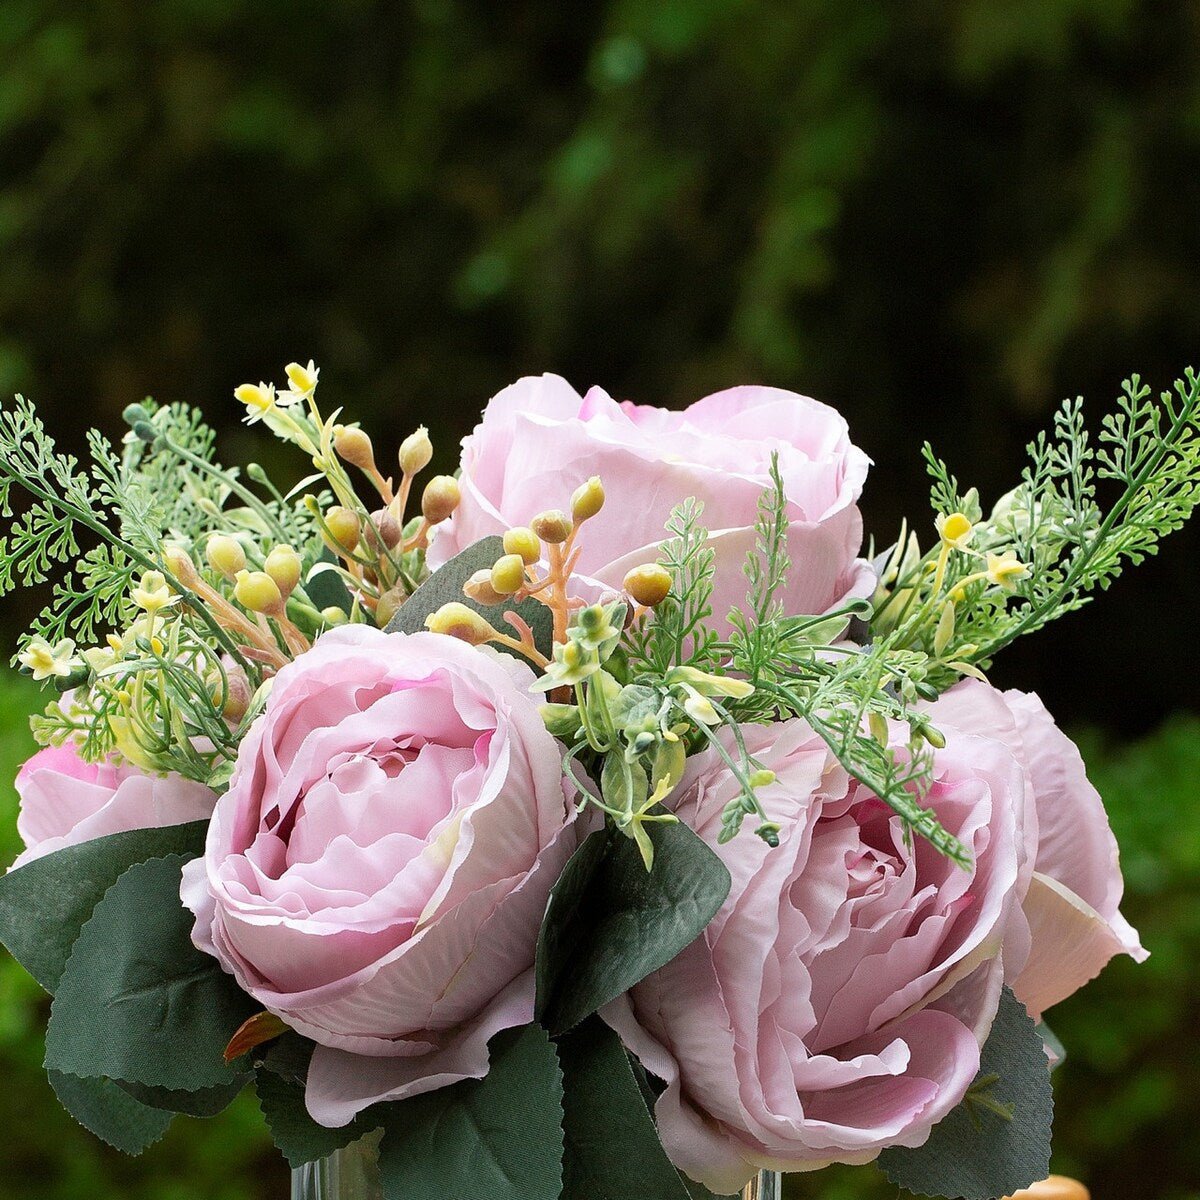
(65, 800)
(837, 1002)
(377, 872)
(539, 440)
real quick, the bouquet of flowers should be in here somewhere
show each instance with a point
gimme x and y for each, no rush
(607, 827)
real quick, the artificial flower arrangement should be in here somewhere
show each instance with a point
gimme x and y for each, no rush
(608, 827)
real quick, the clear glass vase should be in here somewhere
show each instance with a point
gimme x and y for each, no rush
(353, 1174)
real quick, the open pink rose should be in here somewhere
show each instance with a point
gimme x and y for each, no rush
(1072, 903)
(65, 800)
(539, 440)
(837, 1002)
(377, 872)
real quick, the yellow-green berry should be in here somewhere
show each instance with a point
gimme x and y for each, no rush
(523, 541)
(344, 527)
(258, 592)
(648, 584)
(225, 555)
(508, 573)
(415, 451)
(479, 588)
(588, 499)
(552, 526)
(440, 498)
(283, 565)
(461, 622)
(354, 446)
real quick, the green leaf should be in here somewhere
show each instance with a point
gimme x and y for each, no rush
(109, 1112)
(499, 1136)
(199, 1102)
(446, 584)
(610, 922)
(603, 1109)
(137, 1001)
(975, 1153)
(44, 904)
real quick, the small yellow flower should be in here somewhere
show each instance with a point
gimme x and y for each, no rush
(259, 399)
(152, 594)
(44, 660)
(1006, 570)
(955, 530)
(302, 381)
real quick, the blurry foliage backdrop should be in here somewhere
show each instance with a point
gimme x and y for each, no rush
(942, 216)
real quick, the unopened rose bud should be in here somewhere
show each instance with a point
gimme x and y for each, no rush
(225, 555)
(587, 500)
(479, 588)
(384, 529)
(416, 451)
(461, 622)
(648, 584)
(258, 592)
(440, 498)
(508, 574)
(344, 527)
(283, 565)
(354, 446)
(552, 526)
(523, 541)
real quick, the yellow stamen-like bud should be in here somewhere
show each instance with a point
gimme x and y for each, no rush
(344, 527)
(225, 555)
(648, 584)
(283, 566)
(955, 530)
(440, 498)
(354, 446)
(523, 541)
(587, 500)
(508, 574)
(461, 622)
(152, 594)
(258, 592)
(257, 397)
(416, 451)
(479, 588)
(552, 526)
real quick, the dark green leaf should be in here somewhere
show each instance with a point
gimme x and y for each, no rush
(974, 1153)
(498, 1137)
(446, 584)
(137, 1001)
(603, 1109)
(44, 904)
(327, 589)
(109, 1112)
(200, 1102)
(296, 1135)
(610, 922)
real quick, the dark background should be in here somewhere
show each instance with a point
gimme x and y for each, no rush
(941, 216)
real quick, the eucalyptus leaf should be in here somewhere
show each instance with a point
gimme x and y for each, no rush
(498, 1137)
(137, 1000)
(610, 922)
(446, 584)
(975, 1153)
(603, 1108)
(44, 904)
(109, 1112)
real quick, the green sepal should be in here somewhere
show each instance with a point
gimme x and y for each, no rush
(109, 1112)
(45, 903)
(137, 1001)
(498, 1137)
(610, 922)
(604, 1108)
(446, 584)
(974, 1153)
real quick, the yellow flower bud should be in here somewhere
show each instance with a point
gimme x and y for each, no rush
(416, 451)
(648, 584)
(44, 660)
(552, 526)
(587, 500)
(762, 778)
(258, 592)
(389, 605)
(283, 566)
(344, 527)
(258, 398)
(440, 498)
(479, 588)
(179, 563)
(523, 541)
(955, 530)
(354, 446)
(225, 555)
(152, 593)
(508, 574)
(461, 622)
(383, 530)
(302, 380)
(333, 615)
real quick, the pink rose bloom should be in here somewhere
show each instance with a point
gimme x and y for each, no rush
(377, 872)
(837, 1002)
(539, 440)
(65, 800)
(1072, 904)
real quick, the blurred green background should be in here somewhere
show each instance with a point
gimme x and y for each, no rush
(942, 216)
